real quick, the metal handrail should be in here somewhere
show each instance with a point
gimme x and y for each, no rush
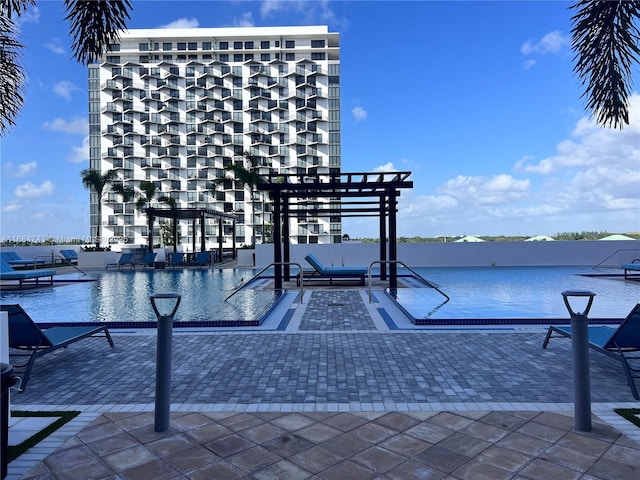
(416, 274)
(64, 260)
(615, 253)
(244, 284)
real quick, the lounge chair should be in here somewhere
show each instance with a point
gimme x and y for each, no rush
(25, 278)
(25, 335)
(125, 260)
(201, 259)
(148, 260)
(175, 259)
(634, 266)
(14, 260)
(69, 256)
(322, 272)
(622, 343)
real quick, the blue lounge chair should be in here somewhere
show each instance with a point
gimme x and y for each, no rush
(175, 259)
(69, 256)
(201, 259)
(25, 278)
(622, 343)
(148, 260)
(322, 272)
(14, 260)
(125, 260)
(634, 266)
(25, 335)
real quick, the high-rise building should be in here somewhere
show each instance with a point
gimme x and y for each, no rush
(174, 107)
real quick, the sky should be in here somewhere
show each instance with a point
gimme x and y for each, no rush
(478, 100)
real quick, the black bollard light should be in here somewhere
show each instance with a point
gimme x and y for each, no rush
(163, 356)
(581, 369)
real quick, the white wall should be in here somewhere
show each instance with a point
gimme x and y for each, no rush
(461, 254)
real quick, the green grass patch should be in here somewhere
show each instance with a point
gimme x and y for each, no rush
(14, 451)
(630, 414)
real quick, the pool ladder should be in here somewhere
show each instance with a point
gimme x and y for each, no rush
(428, 283)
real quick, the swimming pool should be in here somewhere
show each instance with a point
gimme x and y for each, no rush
(515, 293)
(123, 297)
(492, 293)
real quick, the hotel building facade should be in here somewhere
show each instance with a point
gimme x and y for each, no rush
(176, 106)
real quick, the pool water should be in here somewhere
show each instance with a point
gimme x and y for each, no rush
(517, 293)
(124, 296)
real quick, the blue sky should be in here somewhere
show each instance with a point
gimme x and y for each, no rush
(477, 99)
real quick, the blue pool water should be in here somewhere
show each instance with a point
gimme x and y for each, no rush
(517, 293)
(477, 293)
(123, 296)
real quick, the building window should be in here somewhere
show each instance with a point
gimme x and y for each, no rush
(206, 45)
(192, 45)
(182, 46)
(143, 47)
(113, 47)
(224, 57)
(317, 56)
(248, 56)
(167, 46)
(317, 43)
(265, 57)
(290, 57)
(248, 45)
(265, 44)
(289, 44)
(237, 57)
(237, 45)
(223, 46)
(113, 59)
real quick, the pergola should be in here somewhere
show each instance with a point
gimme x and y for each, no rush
(192, 214)
(362, 194)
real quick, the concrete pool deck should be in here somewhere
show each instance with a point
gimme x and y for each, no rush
(335, 394)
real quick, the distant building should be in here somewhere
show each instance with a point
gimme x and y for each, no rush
(175, 106)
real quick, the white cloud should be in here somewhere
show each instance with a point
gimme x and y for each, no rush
(182, 23)
(359, 113)
(65, 89)
(245, 20)
(529, 63)
(19, 171)
(32, 15)
(79, 126)
(12, 206)
(80, 154)
(309, 12)
(29, 190)
(387, 167)
(552, 42)
(55, 46)
(498, 189)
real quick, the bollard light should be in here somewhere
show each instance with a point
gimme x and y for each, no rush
(580, 349)
(165, 306)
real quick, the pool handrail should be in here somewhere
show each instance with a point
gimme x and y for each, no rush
(257, 275)
(54, 257)
(416, 274)
(615, 253)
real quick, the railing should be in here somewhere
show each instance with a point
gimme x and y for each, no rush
(59, 257)
(415, 274)
(615, 253)
(257, 275)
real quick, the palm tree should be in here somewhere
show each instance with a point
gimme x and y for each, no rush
(248, 177)
(605, 40)
(93, 25)
(148, 191)
(97, 182)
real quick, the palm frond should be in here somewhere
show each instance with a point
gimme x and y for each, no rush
(605, 40)
(94, 25)
(12, 76)
(10, 7)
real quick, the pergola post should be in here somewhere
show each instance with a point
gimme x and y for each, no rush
(203, 243)
(220, 233)
(277, 240)
(286, 241)
(393, 244)
(383, 237)
(150, 219)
